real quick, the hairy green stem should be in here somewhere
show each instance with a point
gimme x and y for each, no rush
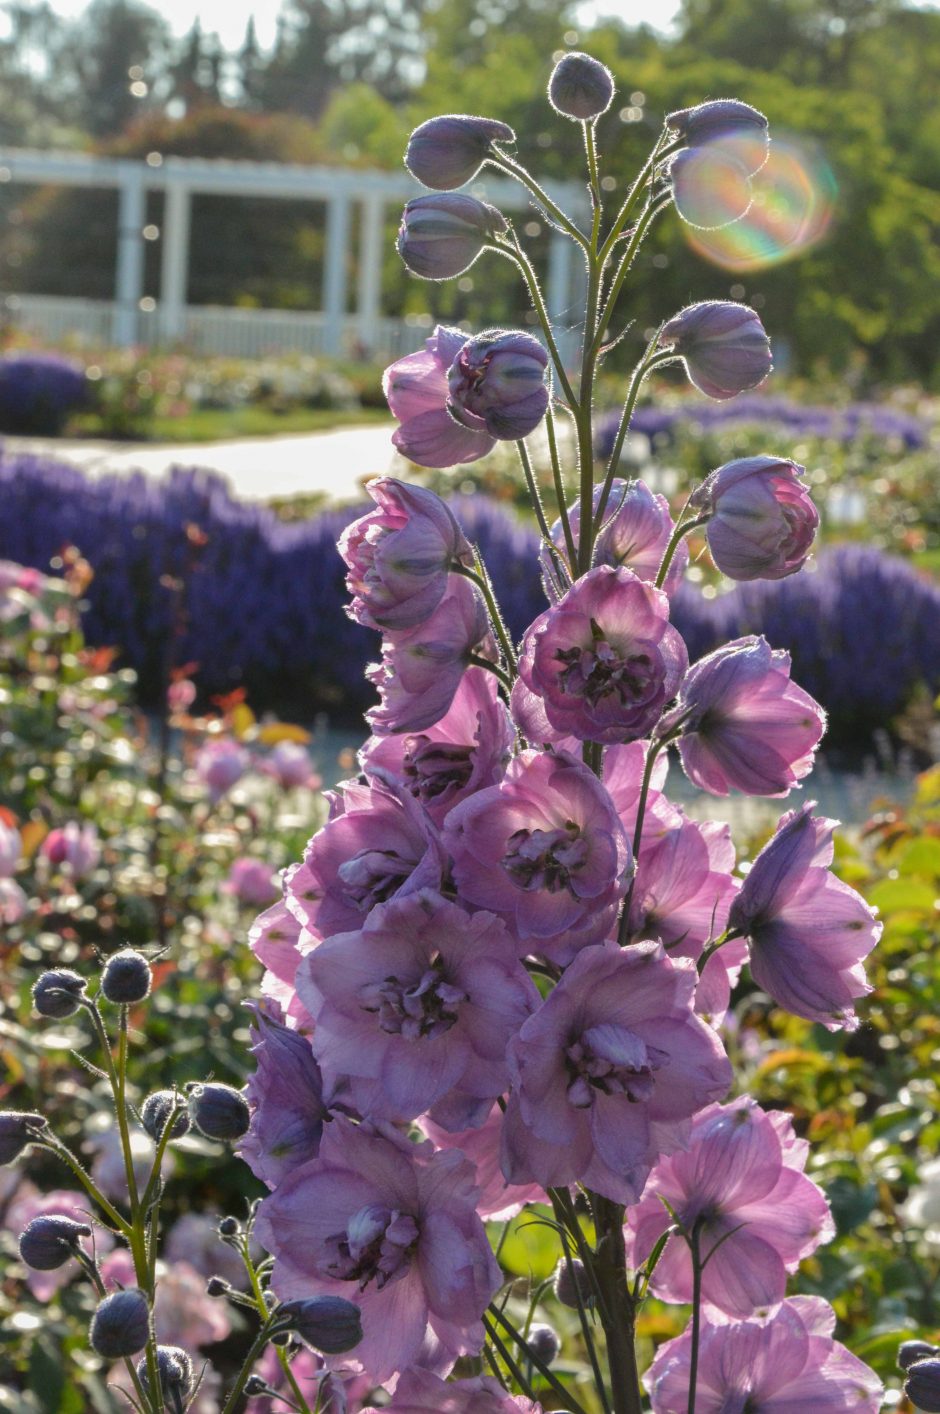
(517, 255)
(648, 362)
(515, 169)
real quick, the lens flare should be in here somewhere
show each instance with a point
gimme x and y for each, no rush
(791, 209)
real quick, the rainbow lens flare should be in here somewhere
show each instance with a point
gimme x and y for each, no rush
(791, 210)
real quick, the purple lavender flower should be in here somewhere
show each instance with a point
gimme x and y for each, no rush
(400, 555)
(421, 1392)
(787, 1363)
(634, 534)
(417, 391)
(394, 1225)
(723, 345)
(442, 235)
(496, 384)
(744, 724)
(416, 1009)
(422, 667)
(608, 1071)
(741, 1184)
(467, 750)
(545, 851)
(447, 151)
(605, 660)
(377, 845)
(807, 930)
(762, 521)
(581, 87)
(287, 1101)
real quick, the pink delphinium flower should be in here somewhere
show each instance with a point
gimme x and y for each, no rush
(377, 845)
(421, 668)
(545, 851)
(11, 847)
(785, 1364)
(74, 848)
(744, 724)
(219, 764)
(180, 695)
(467, 750)
(416, 1009)
(183, 1313)
(807, 931)
(400, 555)
(393, 1225)
(251, 881)
(194, 1238)
(605, 659)
(290, 765)
(13, 902)
(757, 1213)
(287, 1101)
(326, 1393)
(761, 518)
(279, 940)
(417, 392)
(608, 1072)
(420, 1392)
(635, 531)
(498, 1200)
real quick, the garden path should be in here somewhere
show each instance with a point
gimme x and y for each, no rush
(257, 468)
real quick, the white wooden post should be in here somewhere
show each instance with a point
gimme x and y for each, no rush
(369, 293)
(334, 271)
(129, 275)
(559, 294)
(174, 265)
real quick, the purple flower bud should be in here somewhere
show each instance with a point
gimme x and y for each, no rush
(58, 994)
(219, 1111)
(710, 186)
(120, 1325)
(762, 521)
(50, 1240)
(175, 1373)
(571, 1282)
(156, 1111)
(729, 122)
(580, 87)
(126, 978)
(922, 1385)
(442, 235)
(723, 345)
(544, 1343)
(912, 1351)
(497, 384)
(328, 1323)
(448, 151)
(17, 1131)
(218, 1286)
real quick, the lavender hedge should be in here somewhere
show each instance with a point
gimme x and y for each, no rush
(38, 393)
(261, 601)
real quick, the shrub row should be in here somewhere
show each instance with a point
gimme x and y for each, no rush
(184, 572)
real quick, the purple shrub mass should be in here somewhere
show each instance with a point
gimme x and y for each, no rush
(38, 393)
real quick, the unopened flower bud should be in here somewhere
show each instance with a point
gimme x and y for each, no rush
(761, 518)
(922, 1385)
(229, 1227)
(175, 1373)
(126, 978)
(329, 1323)
(219, 1111)
(544, 1343)
(728, 123)
(441, 235)
(571, 1281)
(710, 187)
(17, 1131)
(448, 151)
(121, 1324)
(155, 1113)
(913, 1350)
(58, 994)
(723, 345)
(255, 1385)
(50, 1240)
(217, 1286)
(580, 87)
(497, 384)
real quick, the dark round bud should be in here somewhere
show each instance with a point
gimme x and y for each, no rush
(121, 1324)
(175, 1372)
(155, 1113)
(126, 978)
(255, 1385)
(229, 1227)
(580, 87)
(219, 1111)
(50, 1240)
(572, 1280)
(922, 1385)
(329, 1323)
(217, 1286)
(18, 1129)
(544, 1343)
(913, 1350)
(58, 994)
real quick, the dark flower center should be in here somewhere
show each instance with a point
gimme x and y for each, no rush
(416, 1009)
(378, 1245)
(372, 876)
(610, 1060)
(604, 670)
(545, 859)
(432, 769)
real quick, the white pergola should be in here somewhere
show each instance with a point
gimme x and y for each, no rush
(346, 192)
